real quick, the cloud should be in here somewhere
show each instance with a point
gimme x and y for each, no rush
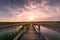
(42, 10)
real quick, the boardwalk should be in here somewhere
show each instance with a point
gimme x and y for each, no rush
(31, 34)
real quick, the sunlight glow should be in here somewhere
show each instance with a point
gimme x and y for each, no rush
(31, 18)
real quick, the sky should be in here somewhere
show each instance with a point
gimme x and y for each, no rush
(22, 10)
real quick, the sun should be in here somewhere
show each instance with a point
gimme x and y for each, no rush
(31, 18)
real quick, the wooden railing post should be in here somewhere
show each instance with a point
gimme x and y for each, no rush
(39, 29)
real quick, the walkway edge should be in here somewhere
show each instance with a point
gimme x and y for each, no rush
(41, 34)
(19, 35)
(44, 36)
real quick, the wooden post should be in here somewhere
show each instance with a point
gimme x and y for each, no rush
(39, 29)
(39, 26)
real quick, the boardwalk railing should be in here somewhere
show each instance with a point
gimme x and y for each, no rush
(42, 36)
(21, 33)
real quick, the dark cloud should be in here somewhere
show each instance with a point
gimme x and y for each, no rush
(54, 2)
(13, 4)
(5, 14)
(36, 1)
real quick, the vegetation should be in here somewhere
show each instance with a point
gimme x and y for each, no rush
(54, 23)
(26, 23)
(6, 23)
(8, 36)
(11, 36)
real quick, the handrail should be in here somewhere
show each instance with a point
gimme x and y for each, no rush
(20, 34)
(43, 37)
(36, 29)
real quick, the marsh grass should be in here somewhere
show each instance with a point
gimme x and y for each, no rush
(8, 36)
(12, 35)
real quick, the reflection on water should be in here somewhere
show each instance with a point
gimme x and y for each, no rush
(50, 33)
(9, 29)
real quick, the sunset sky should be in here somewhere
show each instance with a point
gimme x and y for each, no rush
(24, 10)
